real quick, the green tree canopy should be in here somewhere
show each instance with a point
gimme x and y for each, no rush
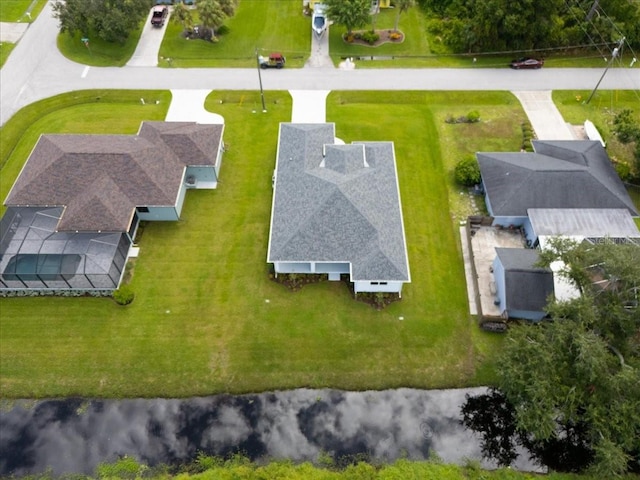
(571, 384)
(110, 20)
(350, 13)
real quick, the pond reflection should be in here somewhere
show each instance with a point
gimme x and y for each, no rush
(75, 435)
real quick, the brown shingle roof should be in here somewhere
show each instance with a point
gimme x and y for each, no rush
(100, 179)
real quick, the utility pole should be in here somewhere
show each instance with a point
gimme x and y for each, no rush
(614, 54)
(264, 108)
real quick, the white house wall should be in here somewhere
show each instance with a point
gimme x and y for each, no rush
(382, 286)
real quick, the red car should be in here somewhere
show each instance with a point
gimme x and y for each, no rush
(527, 63)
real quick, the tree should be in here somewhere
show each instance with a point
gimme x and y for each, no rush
(350, 13)
(211, 15)
(182, 15)
(467, 171)
(401, 7)
(109, 20)
(571, 385)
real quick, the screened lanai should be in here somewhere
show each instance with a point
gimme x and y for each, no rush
(34, 255)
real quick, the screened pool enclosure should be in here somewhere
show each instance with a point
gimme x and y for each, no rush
(34, 255)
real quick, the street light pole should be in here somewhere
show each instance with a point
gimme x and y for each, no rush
(614, 54)
(264, 108)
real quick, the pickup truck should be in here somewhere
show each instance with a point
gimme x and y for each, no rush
(159, 15)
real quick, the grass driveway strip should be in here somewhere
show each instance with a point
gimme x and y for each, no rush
(208, 319)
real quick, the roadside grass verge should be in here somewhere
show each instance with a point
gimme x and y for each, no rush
(5, 50)
(266, 25)
(98, 53)
(16, 10)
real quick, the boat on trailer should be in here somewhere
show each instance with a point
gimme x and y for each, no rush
(319, 19)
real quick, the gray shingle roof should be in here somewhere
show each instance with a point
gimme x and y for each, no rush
(100, 179)
(560, 174)
(586, 222)
(343, 206)
(527, 286)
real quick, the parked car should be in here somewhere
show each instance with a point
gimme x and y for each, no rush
(159, 15)
(274, 60)
(527, 62)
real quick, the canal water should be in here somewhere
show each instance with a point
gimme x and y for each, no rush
(75, 435)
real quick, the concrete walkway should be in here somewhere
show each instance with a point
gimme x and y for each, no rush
(544, 116)
(12, 32)
(188, 106)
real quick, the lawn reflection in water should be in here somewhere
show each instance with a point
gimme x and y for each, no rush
(75, 435)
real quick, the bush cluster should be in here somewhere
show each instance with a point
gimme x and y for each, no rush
(467, 171)
(471, 117)
(123, 295)
(527, 136)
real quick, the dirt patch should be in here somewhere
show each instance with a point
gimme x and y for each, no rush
(384, 36)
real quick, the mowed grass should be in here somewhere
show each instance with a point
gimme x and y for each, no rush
(266, 25)
(16, 10)
(5, 50)
(98, 53)
(207, 318)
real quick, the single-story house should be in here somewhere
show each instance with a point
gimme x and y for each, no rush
(580, 224)
(566, 174)
(336, 209)
(522, 288)
(73, 212)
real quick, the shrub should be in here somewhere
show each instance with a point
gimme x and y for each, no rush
(123, 295)
(370, 37)
(473, 116)
(467, 171)
(624, 170)
(395, 36)
(223, 30)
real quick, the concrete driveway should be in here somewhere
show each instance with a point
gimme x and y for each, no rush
(146, 54)
(544, 116)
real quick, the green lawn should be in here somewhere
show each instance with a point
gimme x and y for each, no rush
(201, 322)
(16, 10)
(98, 53)
(5, 50)
(268, 25)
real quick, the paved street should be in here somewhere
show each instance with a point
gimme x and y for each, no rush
(36, 70)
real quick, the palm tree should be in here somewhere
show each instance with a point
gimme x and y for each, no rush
(402, 6)
(211, 15)
(182, 15)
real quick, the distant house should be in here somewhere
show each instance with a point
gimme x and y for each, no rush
(522, 288)
(560, 174)
(336, 210)
(74, 210)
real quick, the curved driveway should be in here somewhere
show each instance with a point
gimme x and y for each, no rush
(36, 70)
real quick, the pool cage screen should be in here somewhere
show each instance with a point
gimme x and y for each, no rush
(33, 255)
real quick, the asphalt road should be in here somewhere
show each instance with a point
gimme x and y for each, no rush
(36, 70)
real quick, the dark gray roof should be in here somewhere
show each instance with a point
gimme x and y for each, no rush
(585, 222)
(527, 286)
(560, 174)
(337, 203)
(100, 179)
